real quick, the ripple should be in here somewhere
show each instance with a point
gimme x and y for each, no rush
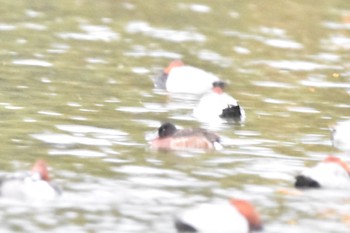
(65, 139)
(7, 27)
(34, 26)
(133, 169)
(337, 41)
(278, 32)
(164, 34)
(243, 36)
(94, 60)
(140, 70)
(283, 43)
(336, 26)
(49, 113)
(13, 107)
(273, 84)
(10, 106)
(297, 65)
(142, 109)
(91, 129)
(275, 101)
(327, 57)
(78, 153)
(195, 7)
(92, 33)
(58, 48)
(140, 51)
(241, 50)
(302, 109)
(166, 182)
(32, 62)
(34, 14)
(214, 57)
(315, 139)
(324, 84)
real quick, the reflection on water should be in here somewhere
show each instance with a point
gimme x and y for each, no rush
(77, 90)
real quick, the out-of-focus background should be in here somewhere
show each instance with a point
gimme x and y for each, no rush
(76, 90)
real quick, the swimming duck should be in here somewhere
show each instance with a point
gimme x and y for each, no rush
(330, 173)
(180, 78)
(235, 216)
(169, 137)
(218, 104)
(32, 185)
(341, 135)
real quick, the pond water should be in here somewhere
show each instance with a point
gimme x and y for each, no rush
(76, 89)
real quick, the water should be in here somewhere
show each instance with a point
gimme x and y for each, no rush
(76, 89)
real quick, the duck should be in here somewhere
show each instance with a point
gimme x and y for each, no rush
(234, 216)
(171, 138)
(331, 173)
(218, 104)
(341, 135)
(31, 185)
(180, 78)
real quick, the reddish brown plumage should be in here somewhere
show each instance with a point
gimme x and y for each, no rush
(194, 142)
(249, 212)
(173, 64)
(40, 167)
(333, 159)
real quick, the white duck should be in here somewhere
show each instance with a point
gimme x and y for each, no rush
(235, 216)
(341, 135)
(32, 185)
(218, 104)
(180, 78)
(330, 173)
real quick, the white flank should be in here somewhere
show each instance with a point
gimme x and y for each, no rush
(188, 79)
(341, 135)
(211, 105)
(329, 175)
(222, 218)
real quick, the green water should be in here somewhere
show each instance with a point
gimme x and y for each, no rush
(76, 89)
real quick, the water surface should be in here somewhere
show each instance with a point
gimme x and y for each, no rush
(76, 89)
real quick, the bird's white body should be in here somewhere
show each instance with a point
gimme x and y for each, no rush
(211, 105)
(27, 186)
(328, 175)
(341, 135)
(188, 79)
(210, 218)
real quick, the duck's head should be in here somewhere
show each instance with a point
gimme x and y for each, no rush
(173, 64)
(40, 167)
(218, 86)
(336, 160)
(160, 81)
(249, 212)
(166, 130)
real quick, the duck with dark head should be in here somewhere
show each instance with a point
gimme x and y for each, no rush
(171, 138)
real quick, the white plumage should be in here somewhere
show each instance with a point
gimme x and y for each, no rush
(209, 218)
(341, 135)
(328, 175)
(188, 79)
(211, 105)
(28, 187)
(31, 185)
